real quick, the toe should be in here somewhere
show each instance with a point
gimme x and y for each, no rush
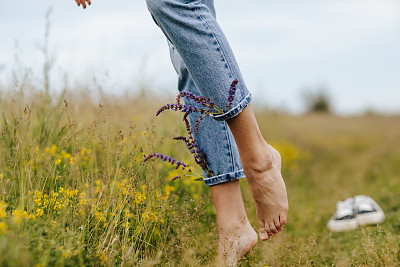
(283, 219)
(277, 225)
(268, 230)
(273, 228)
(263, 231)
(263, 236)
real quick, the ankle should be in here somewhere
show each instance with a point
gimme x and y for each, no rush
(233, 225)
(259, 160)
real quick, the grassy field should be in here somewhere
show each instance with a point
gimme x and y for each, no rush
(74, 190)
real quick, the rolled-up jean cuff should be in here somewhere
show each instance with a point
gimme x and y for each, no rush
(223, 178)
(235, 110)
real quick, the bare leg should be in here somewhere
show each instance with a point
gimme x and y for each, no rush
(262, 166)
(236, 236)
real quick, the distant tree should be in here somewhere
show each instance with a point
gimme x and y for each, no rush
(317, 100)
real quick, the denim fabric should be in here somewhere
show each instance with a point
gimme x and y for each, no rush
(206, 66)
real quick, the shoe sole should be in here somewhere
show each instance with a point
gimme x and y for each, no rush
(343, 226)
(373, 218)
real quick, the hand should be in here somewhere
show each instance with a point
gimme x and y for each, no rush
(83, 2)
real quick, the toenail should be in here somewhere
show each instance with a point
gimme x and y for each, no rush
(263, 235)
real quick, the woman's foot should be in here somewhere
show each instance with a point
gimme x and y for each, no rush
(236, 236)
(262, 166)
(268, 190)
(235, 243)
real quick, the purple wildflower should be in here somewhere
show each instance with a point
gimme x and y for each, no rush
(192, 146)
(169, 159)
(175, 177)
(232, 91)
(197, 124)
(206, 102)
(187, 109)
(209, 108)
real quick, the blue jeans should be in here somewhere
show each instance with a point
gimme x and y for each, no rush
(206, 66)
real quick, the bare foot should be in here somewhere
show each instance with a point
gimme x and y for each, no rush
(235, 243)
(236, 236)
(268, 189)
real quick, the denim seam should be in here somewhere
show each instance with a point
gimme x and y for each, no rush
(229, 146)
(231, 72)
(234, 111)
(223, 178)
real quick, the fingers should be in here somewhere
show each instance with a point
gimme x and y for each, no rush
(83, 2)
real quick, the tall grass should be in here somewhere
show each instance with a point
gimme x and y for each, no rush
(74, 190)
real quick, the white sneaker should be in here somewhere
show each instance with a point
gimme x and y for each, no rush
(367, 211)
(344, 218)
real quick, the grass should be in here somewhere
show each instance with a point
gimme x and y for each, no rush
(74, 190)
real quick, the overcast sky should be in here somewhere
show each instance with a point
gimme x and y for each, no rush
(350, 47)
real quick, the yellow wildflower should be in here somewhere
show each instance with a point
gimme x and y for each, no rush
(97, 186)
(173, 174)
(103, 257)
(67, 253)
(168, 189)
(58, 162)
(139, 197)
(1, 176)
(290, 154)
(3, 207)
(72, 161)
(149, 216)
(72, 193)
(39, 212)
(126, 225)
(18, 215)
(3, 228)
(45, 199)
(65, 154)
(100, 216)
(51, 150)
(38, 198)
(61, 190)
(85, 152)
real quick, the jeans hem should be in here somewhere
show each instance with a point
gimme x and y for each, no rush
(234, 111)
(223, 178)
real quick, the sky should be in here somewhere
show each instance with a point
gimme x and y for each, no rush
(351, 48)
